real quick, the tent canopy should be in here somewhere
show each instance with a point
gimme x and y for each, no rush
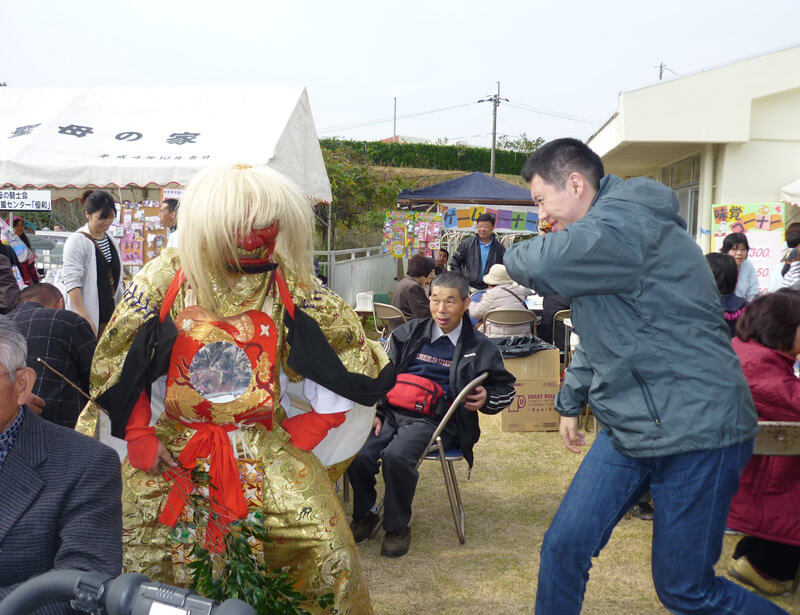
(474, 188)
(139, 136)
(791, 193)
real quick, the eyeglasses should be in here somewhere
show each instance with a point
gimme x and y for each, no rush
(7, 373)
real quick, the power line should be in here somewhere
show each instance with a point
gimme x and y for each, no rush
(391, 119)
(557, 114)
(482, 134)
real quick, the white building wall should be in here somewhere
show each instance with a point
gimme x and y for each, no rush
(755, 172)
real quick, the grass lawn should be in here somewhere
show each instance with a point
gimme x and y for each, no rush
(516, 486)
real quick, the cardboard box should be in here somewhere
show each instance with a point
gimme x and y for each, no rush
(537, 385)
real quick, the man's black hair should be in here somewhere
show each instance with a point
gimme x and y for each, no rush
(41, 292)
(555, 160)
(172, 205)
(451, 279)
(487, 217)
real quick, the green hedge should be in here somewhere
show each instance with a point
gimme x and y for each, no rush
(426, 156)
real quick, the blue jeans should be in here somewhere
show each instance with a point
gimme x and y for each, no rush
(691, 496)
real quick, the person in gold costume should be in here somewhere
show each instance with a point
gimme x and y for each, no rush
(230, 317)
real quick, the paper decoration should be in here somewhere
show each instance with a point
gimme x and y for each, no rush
(514, 219)
(139, 232)
(406, 233)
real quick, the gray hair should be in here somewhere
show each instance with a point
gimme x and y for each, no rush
(451, 279)
(13, 347)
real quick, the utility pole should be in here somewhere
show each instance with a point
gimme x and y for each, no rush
(495, 100)
(394, 126)
(661, 68)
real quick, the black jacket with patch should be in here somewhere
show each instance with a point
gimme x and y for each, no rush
(474, 354)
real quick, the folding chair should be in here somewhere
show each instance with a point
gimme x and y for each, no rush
(779, 438)
(508, 316)
(433, 451)
(565, 355)
(389, 317)
(477, 295)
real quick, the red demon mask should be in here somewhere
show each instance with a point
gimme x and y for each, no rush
(256, 248)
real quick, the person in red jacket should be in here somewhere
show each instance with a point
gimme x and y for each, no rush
(765, 507)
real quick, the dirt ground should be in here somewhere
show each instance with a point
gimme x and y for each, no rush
(516, 486)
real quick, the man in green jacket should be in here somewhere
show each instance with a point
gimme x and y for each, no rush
(656, 365)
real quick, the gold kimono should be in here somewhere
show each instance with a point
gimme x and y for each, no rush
(288, 487)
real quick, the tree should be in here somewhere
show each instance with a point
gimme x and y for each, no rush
(361, 198)
(521, 144)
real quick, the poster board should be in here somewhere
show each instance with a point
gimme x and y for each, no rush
(509, 218)
(406, 233)
(130, 234)
(139, 232)
(154, 241)
(763, 225)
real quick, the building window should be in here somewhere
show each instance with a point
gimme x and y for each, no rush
(684, 178)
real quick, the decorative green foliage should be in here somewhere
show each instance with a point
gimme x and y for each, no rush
(239, 572)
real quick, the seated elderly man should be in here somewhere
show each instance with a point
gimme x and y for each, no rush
(441, 353)
(60, 504)
(64, 340)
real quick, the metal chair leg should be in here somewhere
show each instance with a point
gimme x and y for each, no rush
(462, 515)
(379, 524)
(451, 494)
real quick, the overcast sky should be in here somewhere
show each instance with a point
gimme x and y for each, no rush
(561, 64)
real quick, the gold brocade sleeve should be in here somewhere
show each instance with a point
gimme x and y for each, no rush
(341, 327)
(141, 301)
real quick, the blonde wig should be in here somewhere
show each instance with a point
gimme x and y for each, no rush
(222, 204)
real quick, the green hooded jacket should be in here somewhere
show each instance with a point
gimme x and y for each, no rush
(655, 361)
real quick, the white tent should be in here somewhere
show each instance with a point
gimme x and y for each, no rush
(123, 136)
(791, 193)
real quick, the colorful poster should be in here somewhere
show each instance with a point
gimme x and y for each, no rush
(511, 219)
(406, 233)
(762, 223)
(138, 230)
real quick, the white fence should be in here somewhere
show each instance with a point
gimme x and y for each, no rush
(355, 271)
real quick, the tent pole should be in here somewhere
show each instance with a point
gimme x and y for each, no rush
(330, 254)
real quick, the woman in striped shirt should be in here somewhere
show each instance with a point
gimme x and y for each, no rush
(92, 264)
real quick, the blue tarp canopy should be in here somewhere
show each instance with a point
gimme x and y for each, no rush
(477, 188)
